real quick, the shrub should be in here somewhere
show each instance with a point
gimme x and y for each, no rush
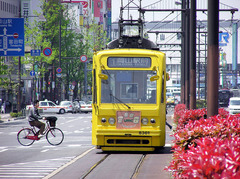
(15, 114)
(206, 148)
(179, 110)
(201, 104)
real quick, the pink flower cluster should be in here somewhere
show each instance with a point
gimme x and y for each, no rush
(206, 148)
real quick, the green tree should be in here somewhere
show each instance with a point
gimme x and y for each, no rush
(74, 43)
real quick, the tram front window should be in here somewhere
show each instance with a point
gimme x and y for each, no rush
(128, 86)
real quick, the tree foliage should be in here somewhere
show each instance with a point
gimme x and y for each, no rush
(73, 41)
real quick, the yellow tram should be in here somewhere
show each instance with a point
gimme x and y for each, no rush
(129, 99)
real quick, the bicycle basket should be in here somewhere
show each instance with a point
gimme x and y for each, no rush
(52, 120)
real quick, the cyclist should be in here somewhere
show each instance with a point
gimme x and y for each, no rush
(34, 117)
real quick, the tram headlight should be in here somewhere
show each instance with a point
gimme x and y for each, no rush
(111, 120)
(104, 120)
(144, 121)
(153, 121)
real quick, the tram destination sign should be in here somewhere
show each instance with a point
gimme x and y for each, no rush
(129, 62)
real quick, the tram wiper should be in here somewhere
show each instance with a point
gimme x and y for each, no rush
(120, 101)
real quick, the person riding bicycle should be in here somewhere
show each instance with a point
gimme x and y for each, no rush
(34, 117)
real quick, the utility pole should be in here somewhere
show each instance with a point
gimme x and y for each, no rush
(183, 54)
(187, 53)
(19, 85)
(213, 58)
(60, 44)
(193, 55)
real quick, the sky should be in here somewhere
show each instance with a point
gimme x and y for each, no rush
(153, 16)
(161, 16)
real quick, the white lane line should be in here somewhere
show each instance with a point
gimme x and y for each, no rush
(75, 145)
(10, 176)
(45, 150)
(3, 150)
(13, 133)
(26, 169)
(13, 174)
(67, 164)
(78, 132)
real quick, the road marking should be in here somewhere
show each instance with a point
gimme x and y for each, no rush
(67, 164)
(168, 145)
(77, 131)
(75, 145)
(45, 150)
(6, 176)
(3, 150)
(13, 133)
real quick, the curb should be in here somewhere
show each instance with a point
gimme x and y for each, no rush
(11, 119)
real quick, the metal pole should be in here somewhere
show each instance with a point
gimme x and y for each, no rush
(193, 55)
(183, 55)
(234, 54)
(85, 79)
(60, 44)
(199, 59)
(213, 58)
(187, 54)
(19, 85)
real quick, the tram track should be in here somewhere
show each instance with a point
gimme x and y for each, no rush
(128, 165)
(103, 162)
(94, 166)
(138, 167)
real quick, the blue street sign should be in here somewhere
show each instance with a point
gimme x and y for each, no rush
(59, 70)
(12, 37)
(223, 38)
(35, 52)
(32, 73)
(47, 51)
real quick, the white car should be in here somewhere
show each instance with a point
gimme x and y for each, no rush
(86, 106)
(234, 105)
(49, 107)
(66, 106)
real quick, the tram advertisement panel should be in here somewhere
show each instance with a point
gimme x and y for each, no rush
(128, 119)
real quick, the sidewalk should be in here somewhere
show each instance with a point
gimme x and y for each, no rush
(6, 117)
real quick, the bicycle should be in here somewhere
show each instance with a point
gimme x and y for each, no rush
(27, 136)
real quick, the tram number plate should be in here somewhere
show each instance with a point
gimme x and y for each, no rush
(144, 132)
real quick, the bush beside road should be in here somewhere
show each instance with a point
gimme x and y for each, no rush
(7, 117)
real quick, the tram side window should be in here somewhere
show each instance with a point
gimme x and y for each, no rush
(162, 94)
(94, 87)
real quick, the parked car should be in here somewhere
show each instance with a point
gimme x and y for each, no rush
(66, 106)
(170, 101)
(76, 107)
(234, 105)
(86, 106)
(48, 107)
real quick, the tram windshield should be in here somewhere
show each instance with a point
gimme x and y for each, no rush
(128, 86)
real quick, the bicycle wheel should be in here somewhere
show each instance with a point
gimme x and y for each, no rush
(54, 136)
(23, 135)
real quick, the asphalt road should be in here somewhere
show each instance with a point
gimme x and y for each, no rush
(75, 156)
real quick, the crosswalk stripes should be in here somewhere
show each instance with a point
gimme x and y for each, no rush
(35, 169)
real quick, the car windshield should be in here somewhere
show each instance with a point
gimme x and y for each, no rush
(128, 86)
(234, 102)
(82, 102)
(89, 102)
